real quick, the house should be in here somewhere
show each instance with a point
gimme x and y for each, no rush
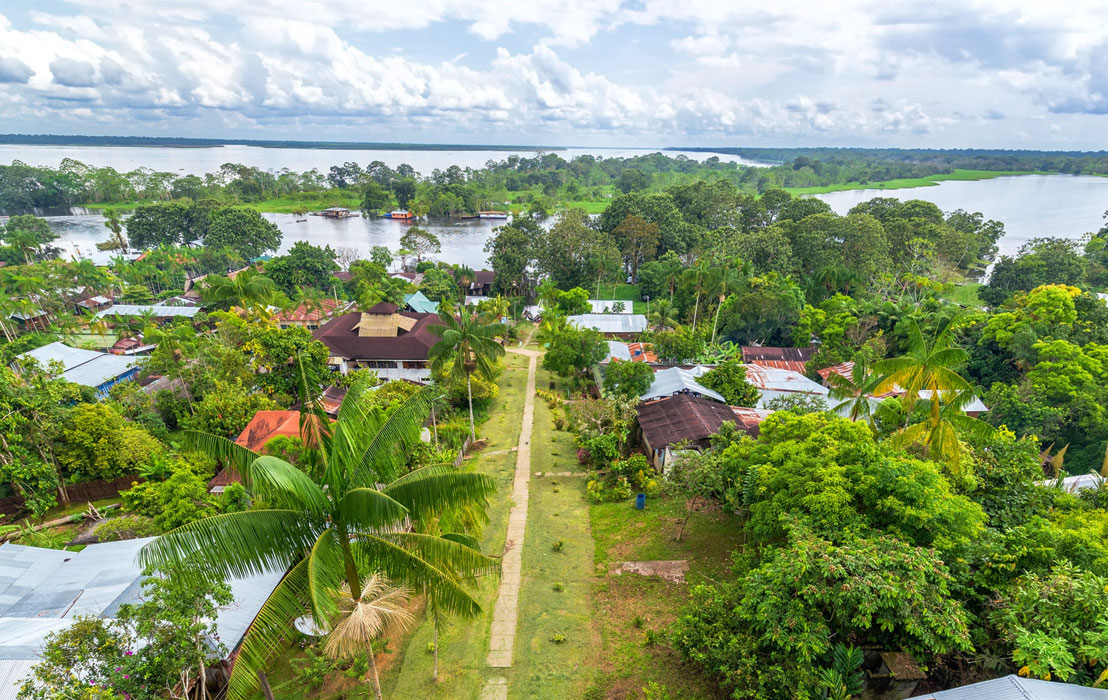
(675, 381)
(391, 342)
(420, 304)
(793, 359)
(415, 278)
(95, 303)
(263, 427)
(843, 369)
(130, 346)
(336, 213)
(1013, 687)
(30, 319)
(481, 286)
(156, 312)
(621, 326)
(99, 370)
(680, 420)
(42, 591)
(630, 352)
(773, 383)
(312, 316)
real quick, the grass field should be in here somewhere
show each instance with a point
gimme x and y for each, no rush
(965, 294)
(907, 183)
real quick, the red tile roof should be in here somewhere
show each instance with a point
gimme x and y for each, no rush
(268, 424)
(642, 352)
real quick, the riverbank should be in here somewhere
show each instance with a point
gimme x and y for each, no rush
(908, 183)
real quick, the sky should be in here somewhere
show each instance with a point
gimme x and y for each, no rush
(649, 73)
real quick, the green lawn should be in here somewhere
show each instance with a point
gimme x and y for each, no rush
(557, 512)
(965, 294)
(627, 607)
(95, 341)
(906, 183)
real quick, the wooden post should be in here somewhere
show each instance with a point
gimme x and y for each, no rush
(266, 690)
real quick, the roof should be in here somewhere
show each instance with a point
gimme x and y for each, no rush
(843, 369)
(975, 405)
(794, 359)
(268, 424)
(1015, 688)
(341, 336)
(156, 310)
(610, 323)
(420, 304)
(630, 352)
(668, 382)
(85, 367)
(95, 301)
(332, 399)
(306, 313)
(42, 590)
(673, 419)
(749, 420)
(774, 379)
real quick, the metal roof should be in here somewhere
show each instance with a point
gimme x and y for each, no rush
(158, 311)
(610, 323)
(1016, 688)
(42, 590)
(84, 367)
(673, 381)
(60, 352)
(420, 304)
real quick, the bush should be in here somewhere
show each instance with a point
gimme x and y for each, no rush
(126, 527)
(558, 587)
(558, 546)
(558, 638)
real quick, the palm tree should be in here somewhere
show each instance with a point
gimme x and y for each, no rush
(332, 534)
(378, 608)
(24, 242)
(464, 276)
(938, 435)
(664, 315)
(467, 346)
(117, 241)
(855, 390)
(247, 289)
(723, 282)
(497, 307)
(698, 275)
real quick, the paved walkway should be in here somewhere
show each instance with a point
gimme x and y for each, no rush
(503, 633)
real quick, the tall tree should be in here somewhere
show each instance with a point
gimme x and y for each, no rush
(334, 534)
(243, 230)
(420, 243)
(467, 346)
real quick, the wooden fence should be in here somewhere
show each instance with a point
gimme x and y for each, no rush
(78, 493)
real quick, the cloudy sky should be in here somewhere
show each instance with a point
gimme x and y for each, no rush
(572, 72)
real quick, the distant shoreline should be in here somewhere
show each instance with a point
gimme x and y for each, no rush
(181, 142)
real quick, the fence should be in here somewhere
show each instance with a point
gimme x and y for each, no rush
(84, 491)
(461, 453)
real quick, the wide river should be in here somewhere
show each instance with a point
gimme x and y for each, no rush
(1028, 205)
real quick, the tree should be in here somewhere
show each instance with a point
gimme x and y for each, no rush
(421, 243)
(729, 379)
(1039, 261)
(247, 289)
(632, 179)
(375, 197)
(572, 351)
(243, 230)
(405, 190)
(855, 391)
(117, 241)
(467, 346)
(378, 608)
(335, 533)
(510, 252)
(700, 277)
(28, 235)
(439, 285)
(664, 315)
(627, 378)
(638, 240)
(227, 409)
(305, 265)
(168, 223)
(100, 444)
(572, 253)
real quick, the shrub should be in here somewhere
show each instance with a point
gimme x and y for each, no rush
(558, 546)
(558, 587)
(126, 527)
(558, 638)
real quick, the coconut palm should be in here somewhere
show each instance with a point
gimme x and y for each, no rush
(248, 288)
(334, 533)
(468, 345)
(464, 276)
(664, 315)
(723, 283)
(927, 367)
(378, 608)
(938, 435)
(698, 276)
(855, 391)
(118, 240)
(24, 242)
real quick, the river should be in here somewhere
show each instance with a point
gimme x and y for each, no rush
(1030, 206)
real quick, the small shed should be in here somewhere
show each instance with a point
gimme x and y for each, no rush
(676, 420)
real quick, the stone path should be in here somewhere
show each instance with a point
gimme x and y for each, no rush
(503, 633)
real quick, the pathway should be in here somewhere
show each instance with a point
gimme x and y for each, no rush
(503, 632)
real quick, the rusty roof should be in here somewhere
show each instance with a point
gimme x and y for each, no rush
(268, 424)
(304, 313)
(674, 419)
(792, 359)
(843, 369)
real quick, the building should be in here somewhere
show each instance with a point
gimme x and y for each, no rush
(263, 427)
(43, 590)
(630, 352)
(774, 383)
(336, 213)
(312, 316)
(676, 380)
(793, 359)
(93, 304)
(99, 370)
(679, 422)
(156, 312)
(393, 343)
(481, 286)
(415, 278)
(1013, 687)
(420, 304)
(33, 319)
(621, 326)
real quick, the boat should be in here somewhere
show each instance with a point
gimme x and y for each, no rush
(493, 214)
(402, 214)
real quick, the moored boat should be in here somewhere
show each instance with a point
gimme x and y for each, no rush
(402, 214)
(493, 214)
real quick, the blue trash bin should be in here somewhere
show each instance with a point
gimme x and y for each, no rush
(640, 501)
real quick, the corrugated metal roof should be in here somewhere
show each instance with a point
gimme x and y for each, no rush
(610, 323)
(60, 352)
(1016, 688)
(158, 311)
(420, 304)
(85, 367)
(673, 381)
(773, 379)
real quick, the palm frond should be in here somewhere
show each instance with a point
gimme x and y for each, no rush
(325, 571)
(268, 631)
(426, 493)
(387, 451)
(462, 539)
(378, 608)
(281, 484)
(220, 448)
(366, 510)
(235, 544)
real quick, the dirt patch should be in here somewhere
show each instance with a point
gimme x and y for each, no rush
(477, 447)
(672, 570)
